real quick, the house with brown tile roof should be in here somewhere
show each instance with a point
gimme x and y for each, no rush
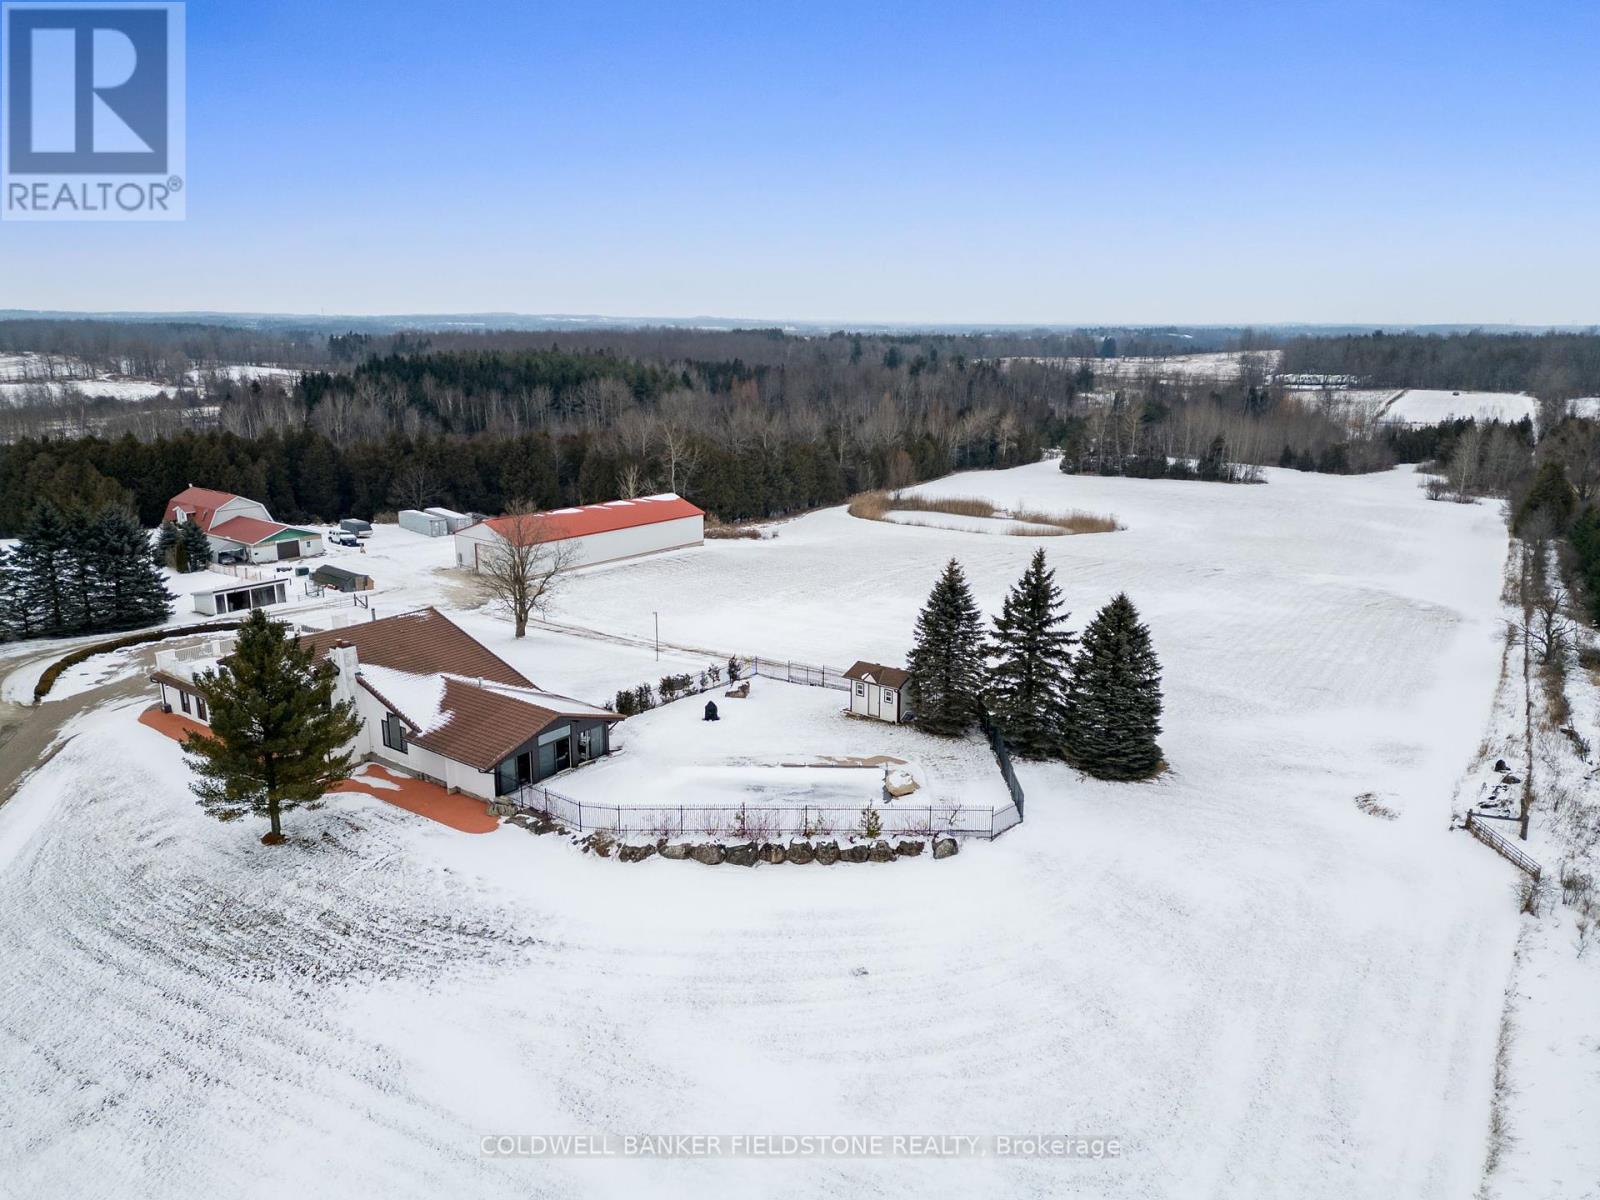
(438, 703)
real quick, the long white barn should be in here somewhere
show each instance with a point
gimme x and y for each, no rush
(600, 532)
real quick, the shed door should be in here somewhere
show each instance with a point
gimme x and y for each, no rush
(874, 700)
(289, 549)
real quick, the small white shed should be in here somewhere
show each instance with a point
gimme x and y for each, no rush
(877, 691)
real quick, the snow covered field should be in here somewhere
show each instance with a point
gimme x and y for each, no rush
(1259, 988)
(1420, 406)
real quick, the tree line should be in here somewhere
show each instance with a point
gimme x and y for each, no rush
(74, 572)
(1098, 707)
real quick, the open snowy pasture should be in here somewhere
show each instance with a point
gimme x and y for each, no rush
(1422, 406)
(1259, 988)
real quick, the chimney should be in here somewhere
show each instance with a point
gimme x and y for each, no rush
(343, 657)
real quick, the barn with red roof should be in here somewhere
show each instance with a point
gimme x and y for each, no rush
(240, 527)
(597, 533)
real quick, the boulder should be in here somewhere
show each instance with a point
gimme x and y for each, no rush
(600, 843)
(801, 853)
(946, 847)
(709, 853)
(636, 853)
(1510, 779)
(1500, 765)
(676, 850)
(771, 852)
(880, 852)
(743, 855)
(827, 853)
(908, 849)
(854, 854)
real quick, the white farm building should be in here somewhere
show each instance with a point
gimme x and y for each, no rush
(600, 533)
(241, 527)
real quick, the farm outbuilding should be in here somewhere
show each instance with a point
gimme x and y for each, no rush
(241, 527)
(421, 521)
(454, 521)
(599, 533)
(239, 596)
(341, 580)
(877, 691)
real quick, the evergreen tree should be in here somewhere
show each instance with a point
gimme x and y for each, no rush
(166, 551)
(1547, 508)
(1027, 692)
(127, 588)
(277, 737)
(45, 560)
(12, 612)
(946, 663)
(196, 545)
(1114, 702)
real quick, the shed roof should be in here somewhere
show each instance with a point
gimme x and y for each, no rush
(561, 523)
(251, 531)
(894, 677)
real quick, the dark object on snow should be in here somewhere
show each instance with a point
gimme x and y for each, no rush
(742, 692)
(1509, 779)
(1500, 765)
(711, 711)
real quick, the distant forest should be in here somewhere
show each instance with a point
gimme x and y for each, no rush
(1551, 366)
(750, 423)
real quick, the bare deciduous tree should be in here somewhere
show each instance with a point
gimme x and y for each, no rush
(525, 566)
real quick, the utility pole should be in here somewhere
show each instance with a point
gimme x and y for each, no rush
(657, 616)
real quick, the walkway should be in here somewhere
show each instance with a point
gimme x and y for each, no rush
(466, 813)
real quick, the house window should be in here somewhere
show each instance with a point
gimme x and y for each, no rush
(888, 695)
(861, 688)
(394, 733)
(183, 699)
(200, 708)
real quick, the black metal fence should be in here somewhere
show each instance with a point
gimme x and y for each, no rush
(1002, 755)
(765, 823)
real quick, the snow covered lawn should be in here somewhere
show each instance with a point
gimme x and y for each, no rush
(786, 747)
(1262, 990)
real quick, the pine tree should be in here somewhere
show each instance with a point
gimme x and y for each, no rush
(1027, 690)
(1114, 702)
(128, 590)
(277, 737)
(166, 552)
(946, 663)
(45, 563)
(196, 545)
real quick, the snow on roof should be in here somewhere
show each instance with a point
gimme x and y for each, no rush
(417, 698)
(603, 518)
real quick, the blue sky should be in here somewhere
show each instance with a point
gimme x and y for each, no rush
(1063, 163)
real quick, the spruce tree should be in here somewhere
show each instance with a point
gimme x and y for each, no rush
(45, 562)
(197, 554)
(128, 590)
(277, 737)
(946, 663)
(1032, 652)
(166, 552)
(1114, 702)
